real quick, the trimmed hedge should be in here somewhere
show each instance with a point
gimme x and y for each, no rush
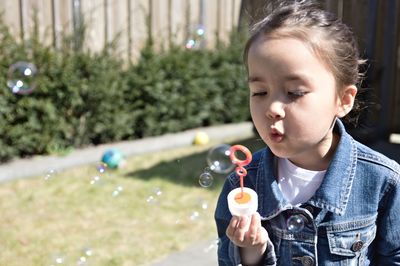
(84, 98)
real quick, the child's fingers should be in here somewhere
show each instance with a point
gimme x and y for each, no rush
(254, 228)
(230, 231)
(241, 229)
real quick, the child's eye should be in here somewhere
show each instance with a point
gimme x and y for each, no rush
(296, 94)
(262, 93)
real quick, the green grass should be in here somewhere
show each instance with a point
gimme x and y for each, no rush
(41, 220)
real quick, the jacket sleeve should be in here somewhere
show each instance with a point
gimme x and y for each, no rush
(228, 253)
(388, 234)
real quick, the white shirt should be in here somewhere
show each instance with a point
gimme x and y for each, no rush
(298, 185)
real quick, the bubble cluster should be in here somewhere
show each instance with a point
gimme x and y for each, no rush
(218, 159)
(21, 78)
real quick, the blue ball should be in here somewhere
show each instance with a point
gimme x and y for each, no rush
(112, 158)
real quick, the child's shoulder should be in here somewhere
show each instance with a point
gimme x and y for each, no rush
(376, 159)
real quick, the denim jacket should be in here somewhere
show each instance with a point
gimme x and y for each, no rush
(353, 218)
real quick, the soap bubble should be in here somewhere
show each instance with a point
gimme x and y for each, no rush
(87, 252)
(206, 179)
(190, 44)
(156, 192)
(295, 223)
(117, 191)
(151, 200)
(95, 180)
(50, 174)
(196, 38)
(57, 259)
(21, 78)
(194, 216)
(218, 159)
(101, 168)
(83, 259)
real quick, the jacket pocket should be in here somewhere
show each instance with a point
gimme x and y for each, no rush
(352, 238)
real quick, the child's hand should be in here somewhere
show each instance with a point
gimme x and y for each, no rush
(254, 236)
(253, 242)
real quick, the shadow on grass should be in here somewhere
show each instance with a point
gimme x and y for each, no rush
(186, 170)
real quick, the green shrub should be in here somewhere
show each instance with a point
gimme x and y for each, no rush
(84, 98)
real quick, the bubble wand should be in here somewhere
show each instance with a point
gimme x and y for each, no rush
(240, 170)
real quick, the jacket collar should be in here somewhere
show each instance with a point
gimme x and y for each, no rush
(332, 195)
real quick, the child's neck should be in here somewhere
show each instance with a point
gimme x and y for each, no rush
(319, 160)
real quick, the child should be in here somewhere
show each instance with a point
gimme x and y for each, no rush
(323, 198)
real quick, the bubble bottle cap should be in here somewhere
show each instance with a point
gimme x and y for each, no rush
(245, 205)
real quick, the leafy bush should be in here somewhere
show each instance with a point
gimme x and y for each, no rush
(84, 98)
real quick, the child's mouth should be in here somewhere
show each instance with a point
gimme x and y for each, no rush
(275, 135)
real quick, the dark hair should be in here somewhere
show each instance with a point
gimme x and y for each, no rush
(327, 36)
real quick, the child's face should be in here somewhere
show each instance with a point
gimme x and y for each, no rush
(293, 100)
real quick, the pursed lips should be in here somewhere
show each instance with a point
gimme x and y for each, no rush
(275, 135)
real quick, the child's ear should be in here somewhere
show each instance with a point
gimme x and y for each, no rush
(346, 100)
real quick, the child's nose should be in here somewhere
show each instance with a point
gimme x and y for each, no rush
(275, 110)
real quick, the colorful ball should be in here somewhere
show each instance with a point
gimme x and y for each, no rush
(112, 158)
(201, 138)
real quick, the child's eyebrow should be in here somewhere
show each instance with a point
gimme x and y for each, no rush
(289, 77)
(251, 79)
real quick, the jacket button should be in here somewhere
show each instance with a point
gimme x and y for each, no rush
(357, 246)
(307, 261)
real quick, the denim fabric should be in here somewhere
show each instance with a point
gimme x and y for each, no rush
(353, 218)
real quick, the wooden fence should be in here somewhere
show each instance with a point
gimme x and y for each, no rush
(376, 23)
(130, 21)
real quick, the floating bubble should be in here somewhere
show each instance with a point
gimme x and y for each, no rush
(101, 168)
(87, 252)
(57, 260)
(83, 259)
(203, 204)
(194, 216)
(196, 39)
(295, 223)
(200, 31)
(218, 159)
(95, 180)
(117, 191)
(212, 246)
(157, 191)
(206, 179)
(190, 44)
(151, 200)
(49, 174)
(21, 78)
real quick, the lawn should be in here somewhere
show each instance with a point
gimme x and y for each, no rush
(135, 215)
